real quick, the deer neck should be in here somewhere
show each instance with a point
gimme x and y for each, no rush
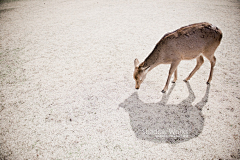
(152, 60)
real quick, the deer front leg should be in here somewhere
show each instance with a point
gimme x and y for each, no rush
(172, 69)
(200, 61)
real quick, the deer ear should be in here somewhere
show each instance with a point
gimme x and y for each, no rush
(136, 62)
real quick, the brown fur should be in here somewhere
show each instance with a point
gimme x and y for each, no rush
(186, 43)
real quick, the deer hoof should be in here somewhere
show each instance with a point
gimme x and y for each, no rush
(208, 83)
(173, 81)
(185, 80)
(163, 91)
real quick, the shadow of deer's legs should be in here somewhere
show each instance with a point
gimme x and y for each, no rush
(191, 97)
(165, 97)
(204, 100)
(166, 123)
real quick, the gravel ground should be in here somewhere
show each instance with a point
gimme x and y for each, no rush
(67, 91)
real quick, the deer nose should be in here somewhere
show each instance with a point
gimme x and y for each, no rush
(137, 86)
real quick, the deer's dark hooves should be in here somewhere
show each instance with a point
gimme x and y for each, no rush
(163, 91)
(185, 80)
(173, 82)
(208, 83)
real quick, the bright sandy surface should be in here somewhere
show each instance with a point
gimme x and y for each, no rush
(67, 91)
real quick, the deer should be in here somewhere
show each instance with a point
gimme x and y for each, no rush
(186, 43)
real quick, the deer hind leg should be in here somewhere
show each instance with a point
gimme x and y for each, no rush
(200, 61)
(209, 54)
(213, 62)
(172, 69)
(175, 76)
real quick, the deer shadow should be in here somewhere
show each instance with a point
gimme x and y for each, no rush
(166, 123)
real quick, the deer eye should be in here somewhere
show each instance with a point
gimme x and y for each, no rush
(135, 76)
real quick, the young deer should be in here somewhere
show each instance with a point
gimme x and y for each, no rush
(186, 43)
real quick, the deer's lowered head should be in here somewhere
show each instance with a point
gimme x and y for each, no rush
(140, 72)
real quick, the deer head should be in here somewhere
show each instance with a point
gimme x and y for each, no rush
(140, 73)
